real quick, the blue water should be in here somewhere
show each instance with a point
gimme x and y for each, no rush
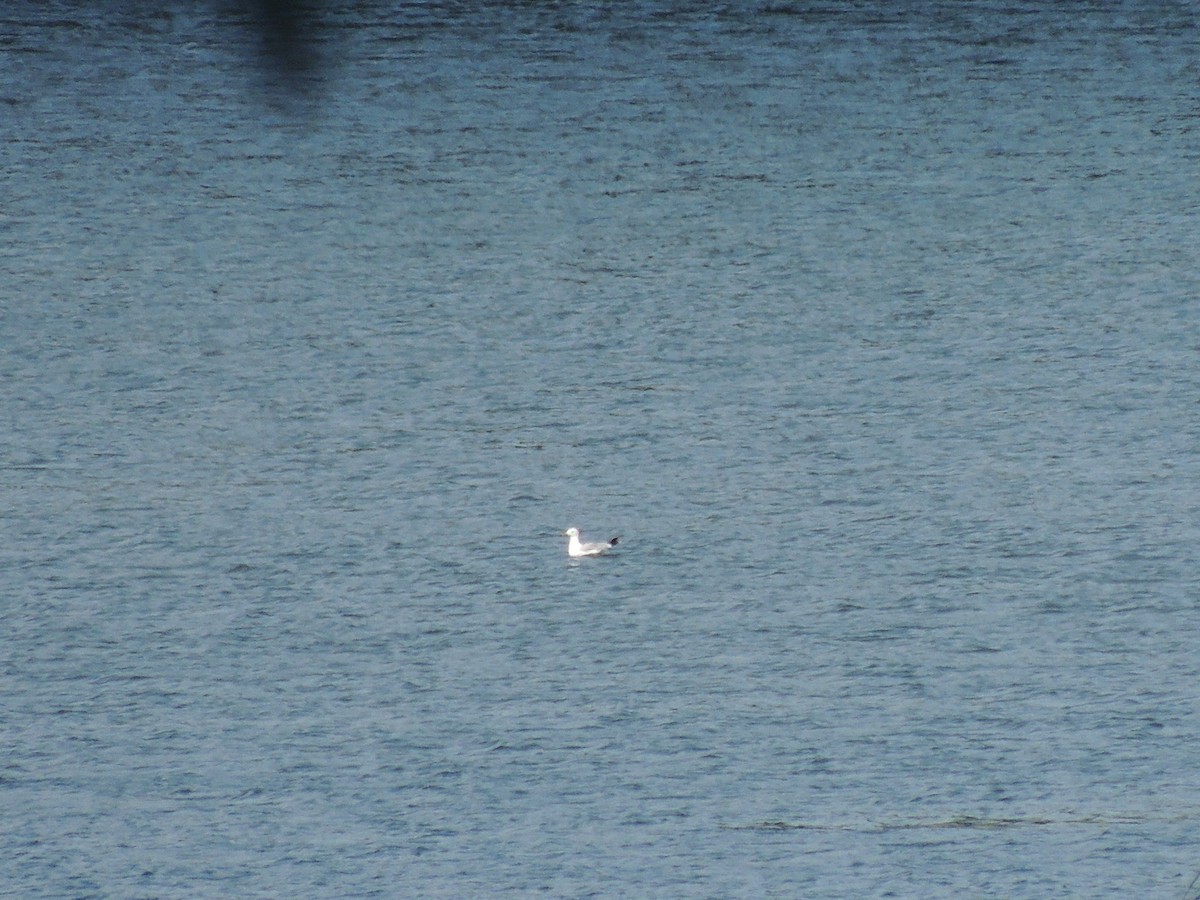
(872, 330)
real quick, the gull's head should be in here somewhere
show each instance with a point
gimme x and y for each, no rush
(572, 532)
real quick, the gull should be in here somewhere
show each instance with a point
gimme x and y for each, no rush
(576, 547)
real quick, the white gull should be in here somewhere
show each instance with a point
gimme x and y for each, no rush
(576, 547)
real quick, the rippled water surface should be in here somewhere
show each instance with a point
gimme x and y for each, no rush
(872, 330)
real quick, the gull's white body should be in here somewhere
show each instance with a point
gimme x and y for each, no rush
(577, 548)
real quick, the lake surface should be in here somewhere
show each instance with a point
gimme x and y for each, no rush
(872, 329)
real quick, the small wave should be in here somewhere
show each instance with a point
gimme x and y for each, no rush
(964, 821)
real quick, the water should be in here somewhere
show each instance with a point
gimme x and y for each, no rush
(872, 332)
